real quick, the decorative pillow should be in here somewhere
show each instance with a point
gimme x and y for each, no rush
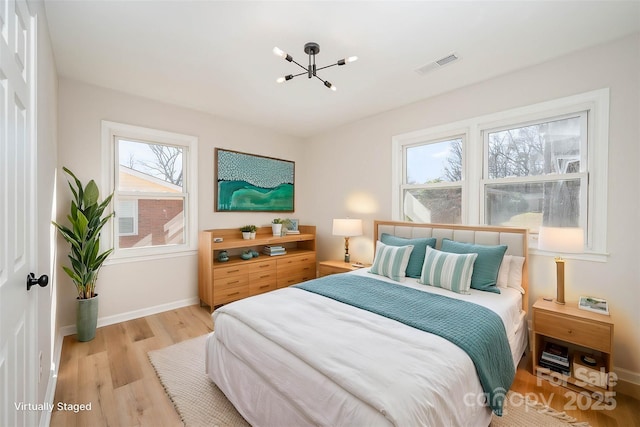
(503, 273)
(414, 268)
(447, 270)
(515, 273)
(391, 261)
(485, 270)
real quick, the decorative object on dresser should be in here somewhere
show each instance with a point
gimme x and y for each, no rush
(347, 228)
(248, 232)
(225, 276)
(562, 335)
(326, 268)
(251, 183)
(561, 240)
(597, 305)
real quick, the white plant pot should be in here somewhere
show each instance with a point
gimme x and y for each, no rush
(253, 235)
(276, 229)
(246, 235)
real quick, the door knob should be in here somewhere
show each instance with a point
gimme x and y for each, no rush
(32, 281)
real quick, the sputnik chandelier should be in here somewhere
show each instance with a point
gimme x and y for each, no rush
(310, 49)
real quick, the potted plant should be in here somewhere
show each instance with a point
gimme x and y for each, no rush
(246, 232)
(254, 230)
(277, 226)
(87, 218)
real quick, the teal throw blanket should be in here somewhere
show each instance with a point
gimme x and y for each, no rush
(475, 329)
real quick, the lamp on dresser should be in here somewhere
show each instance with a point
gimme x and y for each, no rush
(347, 228)
(561, 240)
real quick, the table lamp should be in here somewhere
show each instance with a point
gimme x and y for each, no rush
(347, 228)
(561, 240)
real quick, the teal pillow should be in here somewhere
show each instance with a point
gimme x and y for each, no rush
(487, 266)
(448, 270)
(391, 261)
(414, 268)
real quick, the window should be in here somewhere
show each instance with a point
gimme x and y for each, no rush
(535, 174)
(154, 180)
(545, 164)
(432, 181)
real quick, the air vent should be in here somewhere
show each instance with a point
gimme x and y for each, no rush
(437, 64)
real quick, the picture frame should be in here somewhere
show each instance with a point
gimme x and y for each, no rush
(293, 224)
(247, 182)
(596, 305)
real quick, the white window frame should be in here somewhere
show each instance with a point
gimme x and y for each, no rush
(113, 130)
(596, 103)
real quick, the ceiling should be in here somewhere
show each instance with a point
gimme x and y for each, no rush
(216, 56)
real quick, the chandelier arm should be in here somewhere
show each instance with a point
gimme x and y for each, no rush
(299, 74)
(326, 66)
(301, 66)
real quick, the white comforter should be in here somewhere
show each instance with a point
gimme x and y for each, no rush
(311, 360)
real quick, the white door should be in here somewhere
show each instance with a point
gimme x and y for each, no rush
(18, 330)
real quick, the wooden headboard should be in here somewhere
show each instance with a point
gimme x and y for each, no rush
(516, 239)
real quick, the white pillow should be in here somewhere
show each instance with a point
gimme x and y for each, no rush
(515, 273)
(391, 261)
(503, 273)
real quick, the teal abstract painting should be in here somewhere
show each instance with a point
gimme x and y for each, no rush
(252, 183)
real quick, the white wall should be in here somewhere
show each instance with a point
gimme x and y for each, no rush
(127, 288)
(352, 168)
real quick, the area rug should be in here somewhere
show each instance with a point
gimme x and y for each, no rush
(200, 402)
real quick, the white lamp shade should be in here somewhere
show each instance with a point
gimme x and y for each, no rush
(561, 239)
(347, 227)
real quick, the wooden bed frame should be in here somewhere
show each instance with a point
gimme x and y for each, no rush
(517, 239)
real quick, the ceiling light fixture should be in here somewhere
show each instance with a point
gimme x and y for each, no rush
(310, 49)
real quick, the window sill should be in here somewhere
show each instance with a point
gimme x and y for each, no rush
(114, 260)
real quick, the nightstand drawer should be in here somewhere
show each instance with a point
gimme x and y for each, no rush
(587, 334)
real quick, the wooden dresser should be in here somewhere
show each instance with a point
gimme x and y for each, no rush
(224, 282)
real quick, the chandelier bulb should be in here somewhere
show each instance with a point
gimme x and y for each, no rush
(279, 52)
(280, 80)
(352, 59)
(330, 86)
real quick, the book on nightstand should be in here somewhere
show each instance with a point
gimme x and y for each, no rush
(555, 357)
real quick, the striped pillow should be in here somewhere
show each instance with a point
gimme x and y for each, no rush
(391, 261)
(447, 270)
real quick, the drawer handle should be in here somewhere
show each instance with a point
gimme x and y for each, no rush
(570, 331)
(263, 286)
(233, 283)
(265, 276)
(264, 266)
(233, 271)
(235, 293)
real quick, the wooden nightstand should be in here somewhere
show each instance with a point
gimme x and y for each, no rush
(333, 267)
(579, 330)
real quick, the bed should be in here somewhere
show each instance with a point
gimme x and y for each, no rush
(335, 352)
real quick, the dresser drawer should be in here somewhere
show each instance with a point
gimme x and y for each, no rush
(231, 270)
(296, 260)
(293, 278)
(258, 267)
(227, 282)
(223, 296)
(576, 331)
(263, 286)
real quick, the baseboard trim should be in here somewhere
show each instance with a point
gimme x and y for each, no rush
(136, 314)
(49, 395)
(628, 383)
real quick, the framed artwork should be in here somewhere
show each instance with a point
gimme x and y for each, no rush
(251, 183)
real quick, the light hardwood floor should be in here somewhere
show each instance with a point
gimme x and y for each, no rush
(114, 374)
